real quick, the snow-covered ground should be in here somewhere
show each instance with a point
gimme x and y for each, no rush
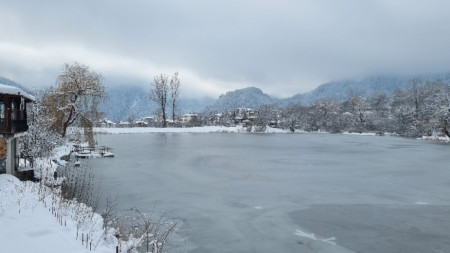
(234, 129)
(436, 138)
(34, 219)
(205, 129)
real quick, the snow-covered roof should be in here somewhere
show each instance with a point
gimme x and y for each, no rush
(107, 121)
(11, 90)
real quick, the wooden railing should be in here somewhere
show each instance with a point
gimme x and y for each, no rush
(19, 126)
(28, 160)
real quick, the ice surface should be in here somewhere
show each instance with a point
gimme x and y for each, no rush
(366, 191)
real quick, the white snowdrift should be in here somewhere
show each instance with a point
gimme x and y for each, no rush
(34, 219)
(436, 138)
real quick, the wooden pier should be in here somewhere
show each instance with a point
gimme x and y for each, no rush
(88, 152)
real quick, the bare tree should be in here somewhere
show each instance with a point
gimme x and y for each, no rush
(158, 94)
(174, 92)
(156, 232)
(40, 140)
(75, 98)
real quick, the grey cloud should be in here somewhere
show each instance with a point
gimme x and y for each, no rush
(283, 47)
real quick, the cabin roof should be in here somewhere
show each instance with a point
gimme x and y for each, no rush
(11, 90)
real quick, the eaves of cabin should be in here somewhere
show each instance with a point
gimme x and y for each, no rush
(13, 111)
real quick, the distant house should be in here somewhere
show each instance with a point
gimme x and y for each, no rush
(189, 117)
(244, 116)
(172, 123)
(13, 124)
(273, 123)
(150, 120)
(140, 123)
(124, 124)
(106, 123)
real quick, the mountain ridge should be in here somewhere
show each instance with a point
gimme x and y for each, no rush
(132, 102)
(250, 97)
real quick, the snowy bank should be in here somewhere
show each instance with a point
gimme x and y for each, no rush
(45, 167)
(205, 129)
(33, 218)
(436, 138)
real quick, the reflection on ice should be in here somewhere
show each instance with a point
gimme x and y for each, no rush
(248, 193)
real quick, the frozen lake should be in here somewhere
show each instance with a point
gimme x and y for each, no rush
(284, 192)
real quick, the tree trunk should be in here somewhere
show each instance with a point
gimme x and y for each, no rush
(445, 130)
(173, 110)
(67, 123)
(164, 116)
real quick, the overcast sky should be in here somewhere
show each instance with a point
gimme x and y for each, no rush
(283, 47)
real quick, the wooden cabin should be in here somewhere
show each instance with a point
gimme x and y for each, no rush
(13, 124)
(13, 113)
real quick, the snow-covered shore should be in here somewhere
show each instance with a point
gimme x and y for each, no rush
(33, 218)
(205, 129)
(234, 129)
(436, 138)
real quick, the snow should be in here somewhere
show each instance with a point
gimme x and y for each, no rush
(313, 237)
(87, 155)
(205, 129)
(33, 219)
(108, 154)
(436, 138)
(7, 89)
(318, 244)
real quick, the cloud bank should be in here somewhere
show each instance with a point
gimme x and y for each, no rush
(283, 46)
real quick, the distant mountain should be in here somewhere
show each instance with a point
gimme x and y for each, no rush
(124, 102)
(194, 105)
(7, 81)
(342, 90)
(248, 97)
(132, 102)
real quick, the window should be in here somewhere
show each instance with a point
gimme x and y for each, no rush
(2, 116)
(13, 110)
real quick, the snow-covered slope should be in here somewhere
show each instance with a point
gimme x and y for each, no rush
(248, 98)
(342, 90)
(33, 220)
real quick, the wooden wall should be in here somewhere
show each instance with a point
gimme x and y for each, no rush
(2, 148)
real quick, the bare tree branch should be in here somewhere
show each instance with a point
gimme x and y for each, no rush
(75, 98)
